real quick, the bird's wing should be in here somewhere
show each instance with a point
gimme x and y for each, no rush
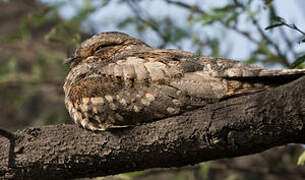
(134, 89)
(214, 78)
(221, 67)
(242, 78)
(227, 68)
(210, 78)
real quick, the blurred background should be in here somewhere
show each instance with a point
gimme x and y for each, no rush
(37, 35)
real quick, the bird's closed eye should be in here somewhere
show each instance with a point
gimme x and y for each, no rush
(103, 46)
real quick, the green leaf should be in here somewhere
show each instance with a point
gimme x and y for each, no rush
(83, 14)
(249, 2)
(232, 18)
(204, 170)
(126, 22)
(210, 19)
(227, 9)
(178, 35)
(233, 177)
(274, 25)
(296, 63)
(105, 3)
(268, 2)
(278, 19)
(301, 160)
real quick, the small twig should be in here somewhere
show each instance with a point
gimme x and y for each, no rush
(137, 11)
(266, 38)
(11, 154)
(202, 12)
(293, 26)
(245, 34)
(288, 41)
(187, 6)
(283, 33)
(238, 3)
(274, 45)
(7, 134)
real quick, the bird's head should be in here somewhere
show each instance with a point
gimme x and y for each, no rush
(103, 47)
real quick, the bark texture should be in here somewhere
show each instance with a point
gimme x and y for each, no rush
(233, 127)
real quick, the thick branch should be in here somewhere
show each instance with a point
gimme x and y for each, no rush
(234, 127)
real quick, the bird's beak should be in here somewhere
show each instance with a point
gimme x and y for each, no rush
(70, 59)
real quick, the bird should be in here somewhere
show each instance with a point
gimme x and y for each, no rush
(118, 81)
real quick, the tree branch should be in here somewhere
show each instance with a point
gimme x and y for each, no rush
(6, 134)
(278, 53)
(233, 127)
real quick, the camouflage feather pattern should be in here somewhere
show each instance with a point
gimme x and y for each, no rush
(117, 81)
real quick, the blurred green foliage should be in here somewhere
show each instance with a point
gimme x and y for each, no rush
(301, 160)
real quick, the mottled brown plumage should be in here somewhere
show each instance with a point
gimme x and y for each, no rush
(116, 81)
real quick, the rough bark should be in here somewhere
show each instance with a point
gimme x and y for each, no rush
(233, 127)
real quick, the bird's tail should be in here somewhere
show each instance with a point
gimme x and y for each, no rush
(258, 72)
(254, 80)
(280, 72)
